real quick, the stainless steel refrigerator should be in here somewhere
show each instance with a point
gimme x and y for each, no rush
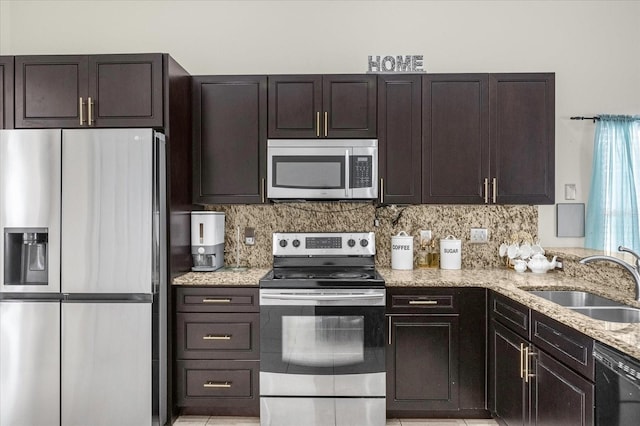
(83, 274)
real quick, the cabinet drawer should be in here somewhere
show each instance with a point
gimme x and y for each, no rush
(510, 313)
(217, 336)
(567, 345)
(428, 301)
(217, 299)
(217, 383)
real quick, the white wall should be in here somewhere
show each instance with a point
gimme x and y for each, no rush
(592, 46)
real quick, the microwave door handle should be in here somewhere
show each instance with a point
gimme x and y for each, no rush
(346, 174)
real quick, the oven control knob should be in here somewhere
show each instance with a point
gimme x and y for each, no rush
(296, 243)
(351, 242)
(283, 243)
(364, 243)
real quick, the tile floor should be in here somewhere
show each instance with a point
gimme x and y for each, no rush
(254, 421)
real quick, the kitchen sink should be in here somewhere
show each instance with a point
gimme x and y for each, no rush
(618, 314)
(591, 305)
(572, 299)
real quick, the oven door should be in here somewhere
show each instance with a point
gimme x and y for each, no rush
(327, 342)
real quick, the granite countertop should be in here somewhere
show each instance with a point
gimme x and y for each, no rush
(248, 277)
(622, 336)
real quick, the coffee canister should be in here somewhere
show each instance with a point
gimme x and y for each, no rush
(450, 253)
(402, 251)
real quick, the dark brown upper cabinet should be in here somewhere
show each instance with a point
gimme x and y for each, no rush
(229, 139)
(455, 153)
(89, 91)
(6, 92)
(316, 106)
(488, 138)
(399, 138)
(522, 137)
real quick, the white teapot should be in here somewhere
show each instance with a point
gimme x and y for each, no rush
(539, 264)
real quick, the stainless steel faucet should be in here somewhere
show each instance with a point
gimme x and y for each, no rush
(634, 270)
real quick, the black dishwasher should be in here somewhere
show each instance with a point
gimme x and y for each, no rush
(617, 387)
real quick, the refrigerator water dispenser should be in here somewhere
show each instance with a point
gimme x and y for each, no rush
(25, 256)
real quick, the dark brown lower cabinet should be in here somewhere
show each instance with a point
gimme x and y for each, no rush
(508, 389)
(545, 378)
(424, 358)
(558, 395)
(217, 351)
(436, 352)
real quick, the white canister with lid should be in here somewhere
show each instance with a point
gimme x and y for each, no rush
(450, 253)
(402, 251)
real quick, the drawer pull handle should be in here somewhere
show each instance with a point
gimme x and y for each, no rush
(210, 300)
(217, 385)
(216, 337)
(423, 302)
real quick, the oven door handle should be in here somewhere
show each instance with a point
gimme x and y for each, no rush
(322, 296)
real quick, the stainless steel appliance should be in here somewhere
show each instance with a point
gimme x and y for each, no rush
(322, 332)
(83, 277)
(307, 169)
(207, 241)
(617, 387)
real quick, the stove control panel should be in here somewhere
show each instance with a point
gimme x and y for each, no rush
(324, 243)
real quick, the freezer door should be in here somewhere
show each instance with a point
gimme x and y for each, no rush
(29, 202)
(106, 364)
(29, 363)
(107, 210)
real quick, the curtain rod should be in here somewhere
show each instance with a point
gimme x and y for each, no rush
(594, 118)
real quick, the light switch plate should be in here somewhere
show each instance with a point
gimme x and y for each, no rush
(570, 191)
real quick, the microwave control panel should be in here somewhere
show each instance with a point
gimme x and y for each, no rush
(360, 175)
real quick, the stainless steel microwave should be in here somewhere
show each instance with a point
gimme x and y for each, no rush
(322, 169)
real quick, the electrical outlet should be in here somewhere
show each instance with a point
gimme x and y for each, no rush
(479, 236)
(249, 236)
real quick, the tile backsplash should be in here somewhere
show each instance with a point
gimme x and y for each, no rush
(442, 220)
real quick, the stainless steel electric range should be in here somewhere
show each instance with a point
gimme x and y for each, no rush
(322, 332)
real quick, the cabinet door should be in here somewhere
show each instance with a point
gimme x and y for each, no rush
(48, 91)
(422, 362)
(508, 392)
(229, 134)
(6, 92)
(522, 137)
(559, 396)
(455, 153)
(349, 106)
(125, 90)
(295, 106)
(399, 143)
